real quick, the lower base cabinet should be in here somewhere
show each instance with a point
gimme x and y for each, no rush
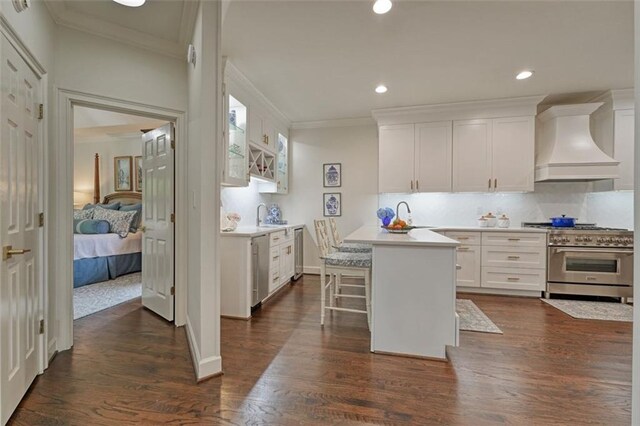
(500, 260)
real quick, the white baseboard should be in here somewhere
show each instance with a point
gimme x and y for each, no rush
(499, 291)
(313, 270)
(203, 367)
(52, 348)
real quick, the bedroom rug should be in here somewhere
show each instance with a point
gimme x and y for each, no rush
(473, 319)
(92, 298)
(581, 309)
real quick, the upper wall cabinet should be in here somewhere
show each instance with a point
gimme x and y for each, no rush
(612, 127)
(483, 146)
(494, 155)
(234, 171)
(415, 158)
(261, 131)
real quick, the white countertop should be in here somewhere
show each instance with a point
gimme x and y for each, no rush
(417, 237)
(253, 231)
(487, 229)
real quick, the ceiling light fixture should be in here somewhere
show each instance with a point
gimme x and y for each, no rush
(131, 3)
(382, 6)
(381, 89)
(523, 75)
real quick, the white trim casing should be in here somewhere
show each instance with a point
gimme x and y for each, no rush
(341, 122)
(60, 218)
(204, 368)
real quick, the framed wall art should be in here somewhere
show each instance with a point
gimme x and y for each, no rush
(332, 203)
(122, 174)
(332, 175)
(137, 166)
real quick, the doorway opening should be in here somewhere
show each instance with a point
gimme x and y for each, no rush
(107, 199)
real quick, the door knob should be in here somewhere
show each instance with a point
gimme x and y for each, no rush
(8, 252)
(143, 228)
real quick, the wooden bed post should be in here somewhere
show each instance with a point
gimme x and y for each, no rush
(96, 180)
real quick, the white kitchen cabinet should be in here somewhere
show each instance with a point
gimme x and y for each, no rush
(470, 266)
(513, 153)
(396, 158)
(280, 185)
(261, 130)
(494, 154)
(514, 279)
(624, 148)
(415, 158)
(287, 262)
(433, 157)
(235, 164)
(472, 156)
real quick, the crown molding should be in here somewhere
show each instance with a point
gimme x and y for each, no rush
(617, 98)
(340, 122)
(188, 21)
(89, 24)
(493, 108)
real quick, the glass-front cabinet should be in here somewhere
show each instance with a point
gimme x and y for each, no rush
(282, 172)
(235, 170)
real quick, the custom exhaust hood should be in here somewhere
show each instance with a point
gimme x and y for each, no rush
(565, 150)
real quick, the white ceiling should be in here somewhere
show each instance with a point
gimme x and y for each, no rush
(163, 26)
(95, 125)
(319, 60)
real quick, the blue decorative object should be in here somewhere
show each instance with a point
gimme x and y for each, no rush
(386, 221)
(274, 215)
(385, 214)
(90, 226)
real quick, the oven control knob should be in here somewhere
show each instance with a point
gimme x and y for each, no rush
(588, 238)
(600, 240)
(579, 239)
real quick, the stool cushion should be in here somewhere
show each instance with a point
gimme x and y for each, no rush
(354, 248)
(349, 260)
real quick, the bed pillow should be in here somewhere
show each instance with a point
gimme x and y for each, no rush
(82, 214)
(112, 206)
(90, 226)
(138, 216)
(119, 222)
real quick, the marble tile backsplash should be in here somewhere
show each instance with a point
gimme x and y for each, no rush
(548, 200)
(244, 201)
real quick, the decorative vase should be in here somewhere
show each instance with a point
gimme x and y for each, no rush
(386, 221)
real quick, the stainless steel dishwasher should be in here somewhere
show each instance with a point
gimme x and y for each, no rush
(260, 269)
(299, 258)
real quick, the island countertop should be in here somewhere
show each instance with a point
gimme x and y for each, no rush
(416, 237)
(254, 231)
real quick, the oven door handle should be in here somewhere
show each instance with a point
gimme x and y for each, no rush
(595, 251)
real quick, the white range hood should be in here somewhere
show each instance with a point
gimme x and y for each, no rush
(565, 150)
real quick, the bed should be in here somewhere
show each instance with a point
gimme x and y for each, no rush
(103, 257)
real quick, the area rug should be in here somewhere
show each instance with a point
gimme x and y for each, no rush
(92, 298)
(593, 310)
(473, 319)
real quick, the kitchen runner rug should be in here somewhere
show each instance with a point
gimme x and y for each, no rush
(92, 298)
(593, 310)
(473, 319)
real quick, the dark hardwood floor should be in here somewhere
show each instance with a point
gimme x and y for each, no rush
(130, 367)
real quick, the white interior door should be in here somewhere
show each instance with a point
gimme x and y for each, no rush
(19, 290)
(157, 213)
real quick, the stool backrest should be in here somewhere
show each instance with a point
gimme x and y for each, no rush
(337, 240)
(323, 237)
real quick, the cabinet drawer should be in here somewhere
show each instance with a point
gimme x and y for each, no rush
(514, 257)
(528, 239)
(466, 238)
(468, 261)
(514, 279)
(277, 237)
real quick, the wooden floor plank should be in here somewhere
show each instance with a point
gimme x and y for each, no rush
(128, 366)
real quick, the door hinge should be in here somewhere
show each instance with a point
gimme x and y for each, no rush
(173, 218)
(41, 330)
(173, 138)
(40, 111)
(41, 220)
(173, 291)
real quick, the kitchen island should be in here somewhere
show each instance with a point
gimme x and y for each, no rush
(413, 292)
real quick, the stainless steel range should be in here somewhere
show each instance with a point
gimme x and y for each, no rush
(589, 260)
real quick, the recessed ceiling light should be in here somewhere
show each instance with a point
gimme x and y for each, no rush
(131, 3)
(381, 89)
(523, 75)
(382, 6)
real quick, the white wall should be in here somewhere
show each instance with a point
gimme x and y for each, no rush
(635, 394)
(204, 90)
(357, 149)
(245, 201)
(83, 165)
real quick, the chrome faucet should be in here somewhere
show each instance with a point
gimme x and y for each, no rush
(398, 208)
(258, 213)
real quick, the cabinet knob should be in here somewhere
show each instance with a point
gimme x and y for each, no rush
(417, 185)
(495, 183)
(489, 184)
(412, 185)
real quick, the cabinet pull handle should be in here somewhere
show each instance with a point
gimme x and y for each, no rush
(275, 257)
(463, 238)
(513, 279)
(412, 185)
(513, 239)
(463, 248)
(417, 185)
(513, 257)
(495, 183)
(489, 183)
(265, 139)
(276, 278)
(276, 238)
